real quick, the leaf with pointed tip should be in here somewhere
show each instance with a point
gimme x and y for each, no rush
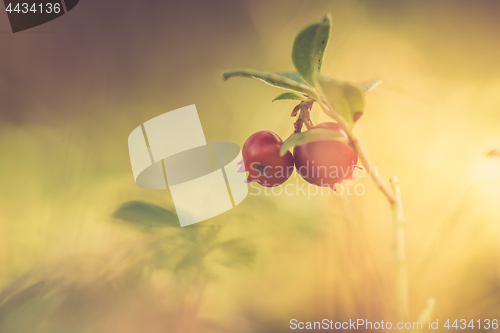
(315, 134)
(143, 214)
(290, 95)
(276, 80)
(370, 85)
(309, 49)
(346, 98)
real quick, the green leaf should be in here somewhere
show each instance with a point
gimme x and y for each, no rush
(293, 76)
(309, 49)
(290, 95)
(369, 85)
(239, 251)
(282, 80)
(143, 214)
(346, 98)
(315, 134)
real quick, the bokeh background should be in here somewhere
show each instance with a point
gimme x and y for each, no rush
(73, 89)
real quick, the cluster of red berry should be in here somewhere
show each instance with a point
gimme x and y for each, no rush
(321, 163)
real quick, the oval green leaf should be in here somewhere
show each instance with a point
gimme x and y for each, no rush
(346, 98)
(309, 49)
(290, 95)
(315, 134)
(276, 80)
(143, 214)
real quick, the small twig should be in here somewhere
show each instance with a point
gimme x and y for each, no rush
(305, 114)
(298, 125)
(304, 118)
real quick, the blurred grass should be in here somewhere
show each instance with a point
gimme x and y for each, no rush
(64, 122)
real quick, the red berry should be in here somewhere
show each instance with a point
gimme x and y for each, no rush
(261, 157)
(325, 163)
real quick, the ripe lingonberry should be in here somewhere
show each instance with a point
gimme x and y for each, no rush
(261, 157)
(325, 163)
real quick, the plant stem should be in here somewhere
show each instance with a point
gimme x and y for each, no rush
(394, 198)
(400, 252)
